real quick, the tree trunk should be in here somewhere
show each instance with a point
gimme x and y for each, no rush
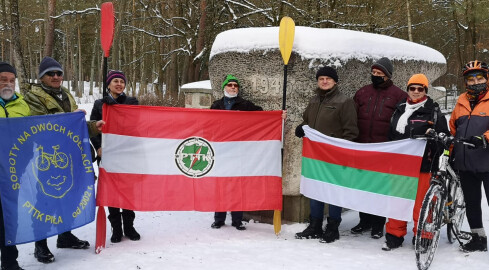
(172, 72)
(49, 35)
(80, 67)
(4, 34)
(18, 53)
(409, 26)
(200, 40)
(92, 62)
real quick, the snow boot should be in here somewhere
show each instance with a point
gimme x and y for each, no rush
(331, 233)
(392, 242)
(239, 226)
(377, 231)
(42, 252)
(13, 267)
(116, 224)
(313, 231)
(476, 243)
(68, 240)
(128, 221)
(217, 224)
(361, 227)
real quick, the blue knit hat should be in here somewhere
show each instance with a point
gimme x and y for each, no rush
(49, 64)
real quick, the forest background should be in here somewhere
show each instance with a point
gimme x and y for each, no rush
(163, 44)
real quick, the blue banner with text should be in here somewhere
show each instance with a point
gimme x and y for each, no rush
(46, 176)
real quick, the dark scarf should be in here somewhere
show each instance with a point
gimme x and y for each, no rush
(63, 102)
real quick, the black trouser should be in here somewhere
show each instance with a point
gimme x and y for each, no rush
(116, 213)
(377, 222)
(8, 254)
(471, 187)
(237, 216)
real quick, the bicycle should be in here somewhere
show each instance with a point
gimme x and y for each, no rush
(443, 204)
(58, 159)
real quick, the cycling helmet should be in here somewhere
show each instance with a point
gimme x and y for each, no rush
(475, 66)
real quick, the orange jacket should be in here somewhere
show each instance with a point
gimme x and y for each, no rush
(465, 123)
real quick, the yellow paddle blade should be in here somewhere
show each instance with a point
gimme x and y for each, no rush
(277, 221)
(286, 38)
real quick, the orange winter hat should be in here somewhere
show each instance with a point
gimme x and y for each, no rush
(418, 79)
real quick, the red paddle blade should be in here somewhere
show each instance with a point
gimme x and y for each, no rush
(107, 27)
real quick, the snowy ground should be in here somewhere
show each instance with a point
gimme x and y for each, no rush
(184, 240)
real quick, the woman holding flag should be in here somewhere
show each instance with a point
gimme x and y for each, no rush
(116, 83)
(418, 115)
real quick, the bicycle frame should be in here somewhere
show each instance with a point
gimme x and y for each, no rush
(443, 204)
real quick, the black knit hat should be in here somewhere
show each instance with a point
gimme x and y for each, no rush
(385, 65)
(48, 64)
(6, 67)
(327, 71)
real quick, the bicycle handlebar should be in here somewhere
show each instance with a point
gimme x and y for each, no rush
(443, 138)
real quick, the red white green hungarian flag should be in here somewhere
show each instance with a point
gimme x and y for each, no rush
(177, 159)
(375, 178)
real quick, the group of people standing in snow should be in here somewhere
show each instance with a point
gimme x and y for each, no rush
(381, 112)
(378, 112)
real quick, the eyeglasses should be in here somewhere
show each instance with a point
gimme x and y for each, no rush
(475, 76)
(232, 85)
(416, 88)
(52, 73)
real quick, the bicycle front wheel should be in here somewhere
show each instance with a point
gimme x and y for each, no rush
(429, 225)
(456, 210)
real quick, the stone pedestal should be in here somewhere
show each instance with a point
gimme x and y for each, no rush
(197, 95)
(259, 67)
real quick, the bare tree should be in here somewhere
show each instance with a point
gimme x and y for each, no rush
(49, 35)
(18, 53)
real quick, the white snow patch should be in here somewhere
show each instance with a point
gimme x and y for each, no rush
(197, 85)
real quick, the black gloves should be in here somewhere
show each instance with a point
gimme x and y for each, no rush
(299, 131)
(477, 141)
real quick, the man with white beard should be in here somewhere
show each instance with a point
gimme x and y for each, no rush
(13, 105)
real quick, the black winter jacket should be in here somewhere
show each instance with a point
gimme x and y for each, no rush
(97, 112)
(239, 105)
(428, 116)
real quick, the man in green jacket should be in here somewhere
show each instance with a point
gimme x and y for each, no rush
(49, 97)
(13, 105)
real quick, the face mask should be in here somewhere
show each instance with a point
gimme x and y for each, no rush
(377, 80)
(476, 89)
(226, 94)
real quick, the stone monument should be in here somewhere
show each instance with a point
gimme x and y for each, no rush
(253, 56)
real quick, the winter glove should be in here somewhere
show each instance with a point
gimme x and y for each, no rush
(478, 142)
(299, 131)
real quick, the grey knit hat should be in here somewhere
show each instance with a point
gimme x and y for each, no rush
(385, 65)
(48, 64)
